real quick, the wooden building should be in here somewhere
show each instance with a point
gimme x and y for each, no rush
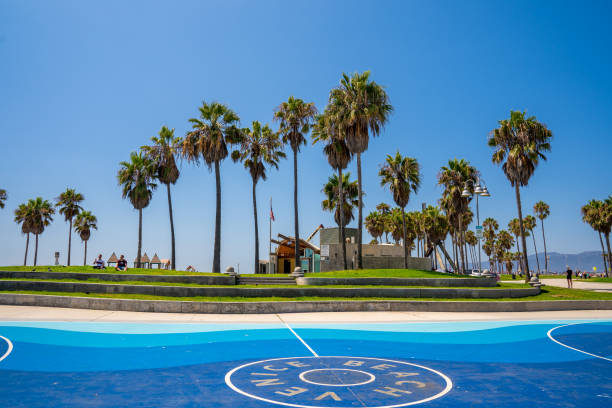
(282, 260)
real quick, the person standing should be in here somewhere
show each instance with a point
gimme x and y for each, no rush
(568, 276)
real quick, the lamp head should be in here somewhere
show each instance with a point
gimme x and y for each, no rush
(485, 192)
(478, 189)
(465, 193)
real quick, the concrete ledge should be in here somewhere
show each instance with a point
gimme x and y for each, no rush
(440, 282)
(166, 306)
(118, 277)
(289, 292)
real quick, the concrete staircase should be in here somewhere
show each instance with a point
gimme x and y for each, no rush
(257, 280)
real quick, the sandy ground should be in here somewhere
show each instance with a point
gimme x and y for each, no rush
(33, 313)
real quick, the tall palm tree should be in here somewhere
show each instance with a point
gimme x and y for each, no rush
(338, 157)
(360, 108)
(23, 217)
(69, 207)
(514, 227)
(385, 210)
(472, 241)
(84, 222)
(163, 152)
(530, 223)
(260, 148)
(592, 214)
(375, 225)
(3, 197)
(436, 227)
(216, 127)
(542, 211)
(402, 175)
(40, 214)
(295, 117)
(503, 243)
(349, 189)
(136, 178)
(519, 144)
(455, 178)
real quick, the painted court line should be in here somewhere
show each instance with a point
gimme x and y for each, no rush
(570, 347)
(9, 350)
(298, 337)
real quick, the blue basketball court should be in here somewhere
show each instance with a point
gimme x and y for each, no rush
(459, 364)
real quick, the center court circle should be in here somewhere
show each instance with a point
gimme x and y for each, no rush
(338, 382)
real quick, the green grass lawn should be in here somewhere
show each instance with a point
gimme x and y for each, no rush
(383, 273)
(549, 293)
(195, 285)
(90, 269)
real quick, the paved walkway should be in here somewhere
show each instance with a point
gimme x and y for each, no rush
(33, 313)
(596, 286)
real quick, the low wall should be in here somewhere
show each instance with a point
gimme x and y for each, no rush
(436, 282)
(299, 307)
(291, 292)
(374, 257)
(118, 277)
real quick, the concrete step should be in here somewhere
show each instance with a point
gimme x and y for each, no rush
(243, 280)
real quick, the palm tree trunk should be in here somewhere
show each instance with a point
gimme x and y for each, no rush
(536, 251)
(69, 242)
(25, 258)
(609, 254)
(545, 253)
(341, 208)
(256, 270)
(603, 251)
(518, 251)
(360, 221)
(523, 242)
(173, 247)
(404, 231)
(85, 256)
(454, 252)
(36, 250)
(217, 250)
(295, 211)
(460, 245)
(138, 252)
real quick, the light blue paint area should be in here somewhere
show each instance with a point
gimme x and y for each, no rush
(429, 327)
(142, 328)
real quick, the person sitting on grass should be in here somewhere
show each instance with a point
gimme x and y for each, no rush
(99, 263)
(121, 264)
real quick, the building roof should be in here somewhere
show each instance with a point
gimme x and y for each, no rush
(143, 259)
(113, 258)
(155, 259)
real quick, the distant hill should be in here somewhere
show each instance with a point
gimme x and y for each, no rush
(585, 261)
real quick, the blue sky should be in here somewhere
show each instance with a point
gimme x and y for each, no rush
(84, 83)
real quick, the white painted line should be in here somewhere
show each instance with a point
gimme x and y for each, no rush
(10, 348)
(572, 348)
(298, 337)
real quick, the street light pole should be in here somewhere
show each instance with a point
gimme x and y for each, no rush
(478, 191)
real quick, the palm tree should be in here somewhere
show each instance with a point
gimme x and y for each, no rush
(259, 148)
(163, 152)
(375, 225)
(490, 226)
(39, 216)
(472, 241)
(360, 108)
(503, 243)
(607, 225)
(402, 176)
(3, 197)
(530, 223)
(295, 117)
(338, 157)
(520, 143)
(83, 223)
(385, 210)
(350, 200)
(23, 217)
(436, 228)
(212, 132)
(136, 178)
(542, 211)
(455, 178)
(68, 204)
(592, 214)
(514, 227)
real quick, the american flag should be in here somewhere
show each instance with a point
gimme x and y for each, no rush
(271, 212)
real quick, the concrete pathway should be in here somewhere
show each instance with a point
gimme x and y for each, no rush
(34, 313)
(578, 284)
